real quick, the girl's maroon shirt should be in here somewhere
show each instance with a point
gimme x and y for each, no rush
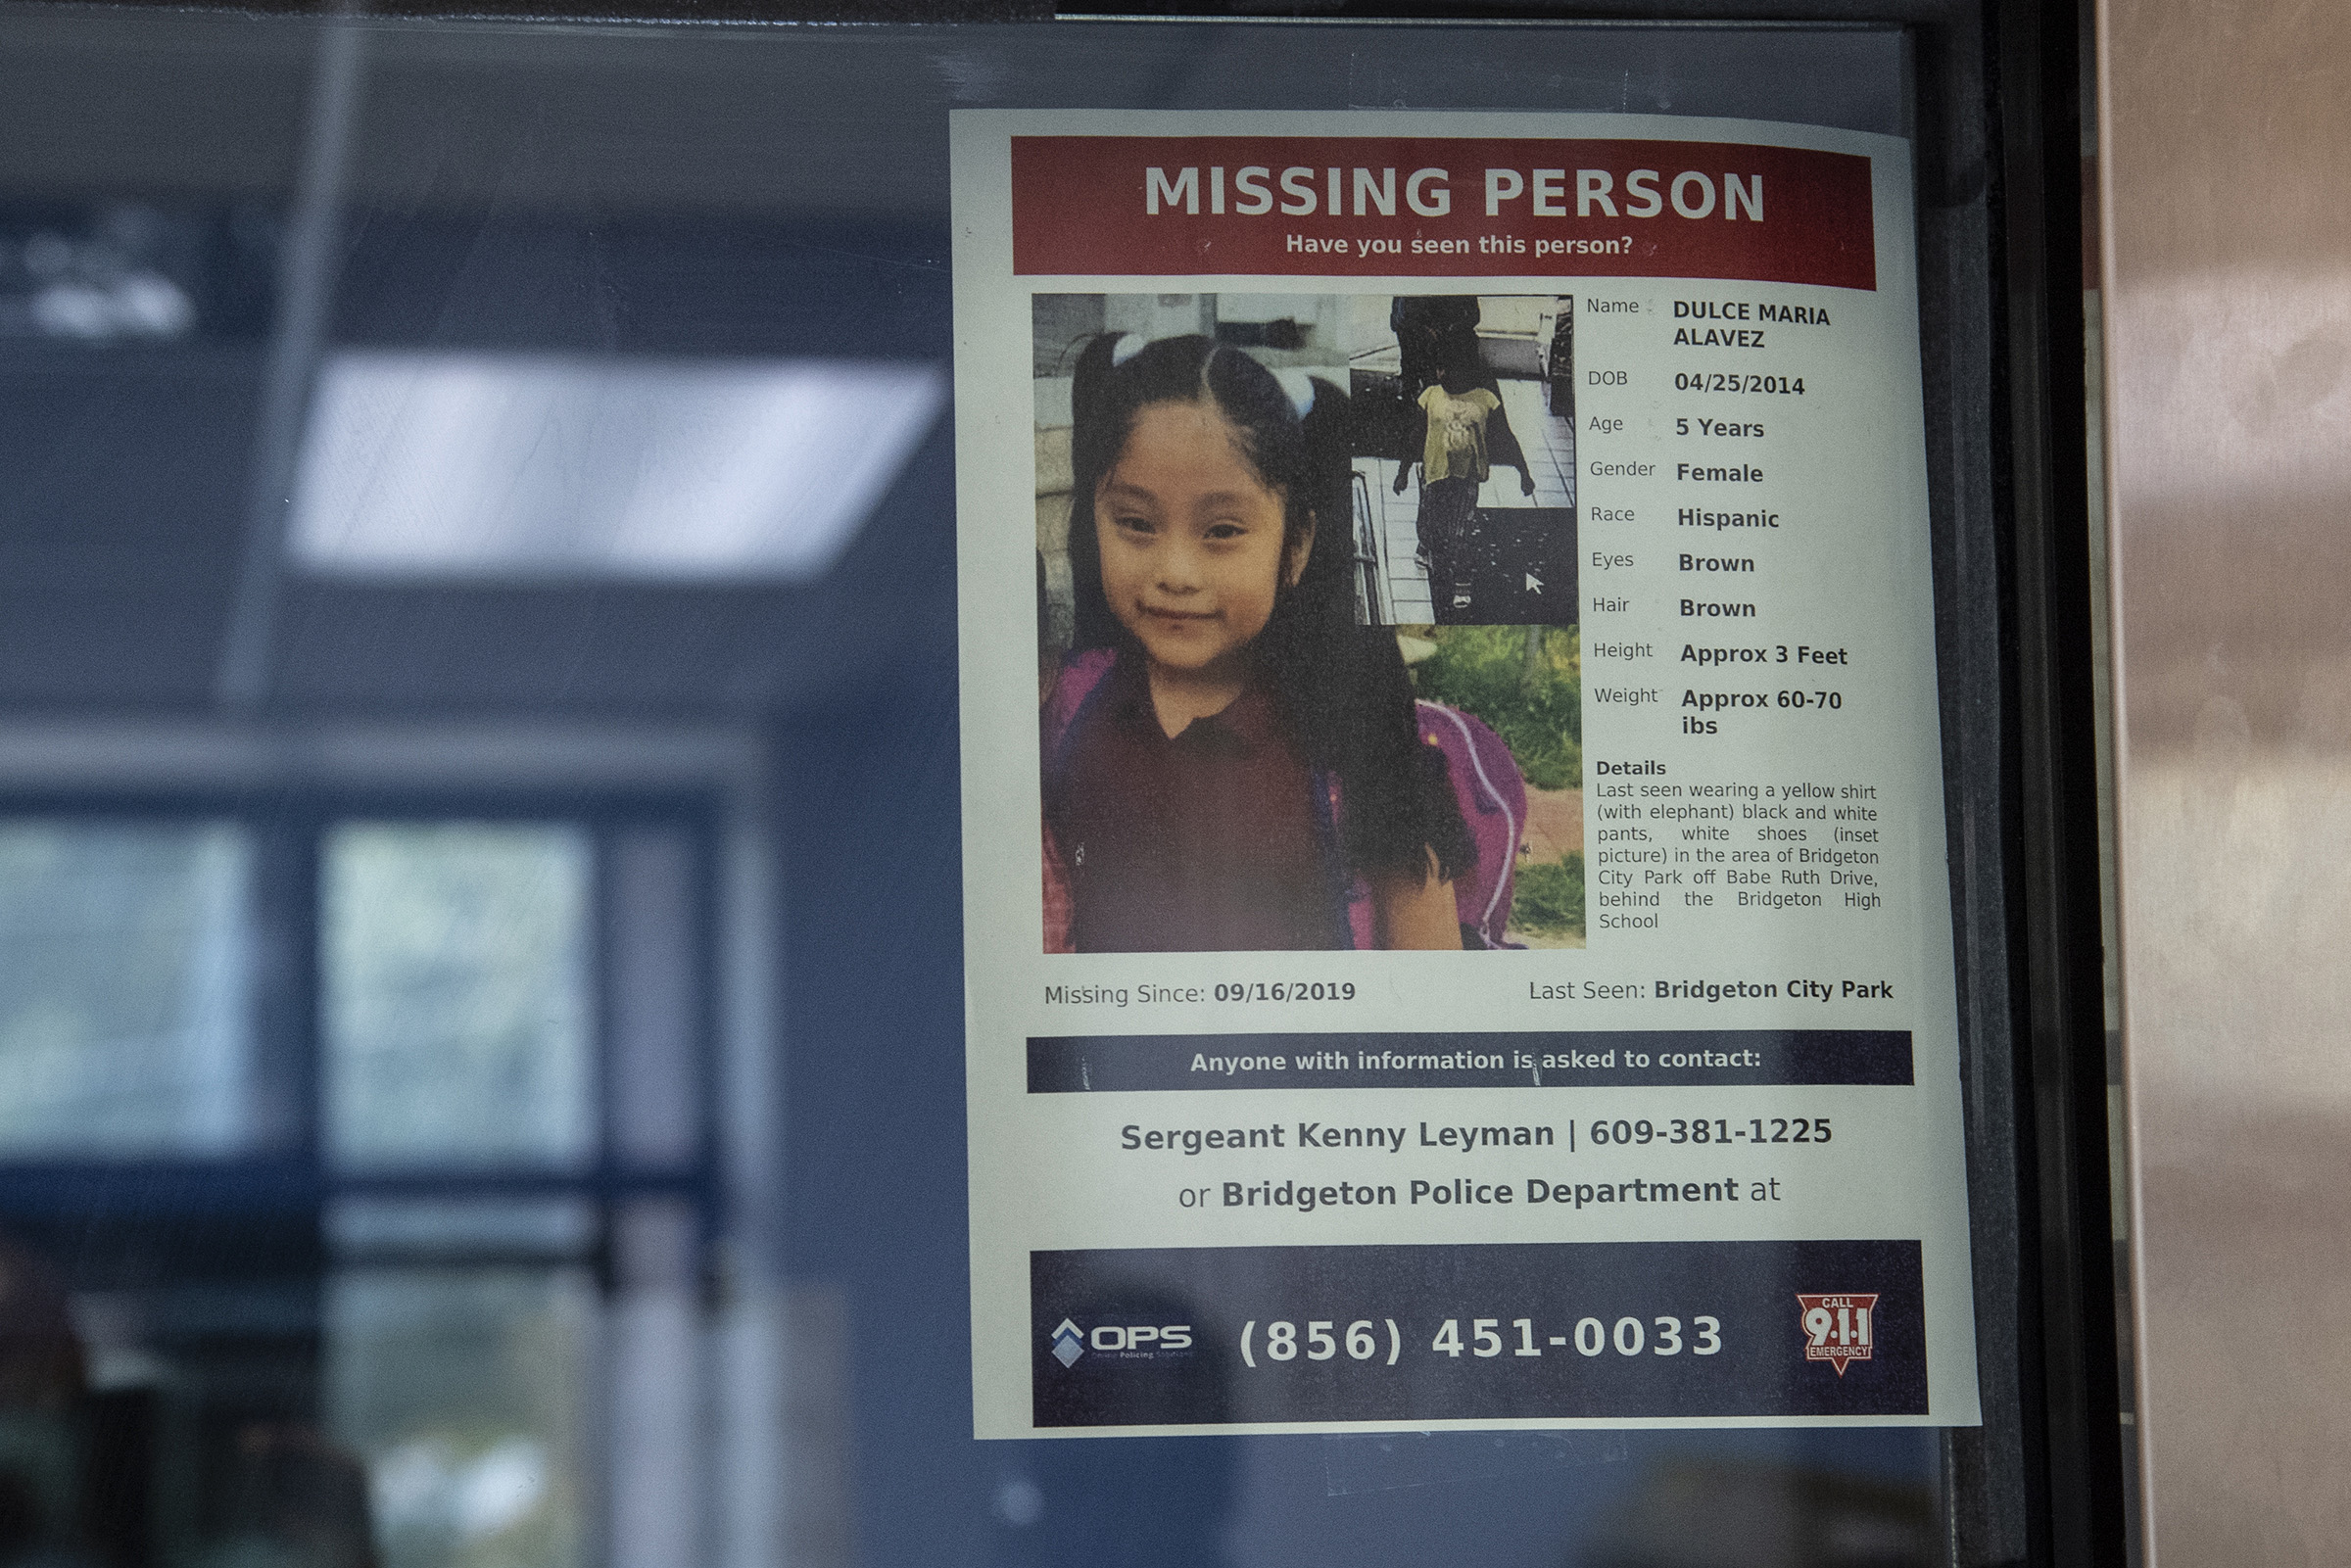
(1204, 841)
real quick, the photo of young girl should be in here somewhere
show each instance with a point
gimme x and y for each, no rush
(1234, 756)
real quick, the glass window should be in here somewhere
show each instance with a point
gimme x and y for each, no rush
(458, 1012)
(542, 920)
(124, 988)
(396, 1328)
(465, 1394)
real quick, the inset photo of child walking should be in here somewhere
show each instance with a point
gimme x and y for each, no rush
(1253, 736)
(1466, 446)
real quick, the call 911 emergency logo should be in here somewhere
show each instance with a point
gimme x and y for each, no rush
(1139, 1342)
(1837, 1329)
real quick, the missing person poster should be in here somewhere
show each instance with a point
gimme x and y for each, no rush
(1457, 929)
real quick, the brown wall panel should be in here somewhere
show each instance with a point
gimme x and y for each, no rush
(2226, 174)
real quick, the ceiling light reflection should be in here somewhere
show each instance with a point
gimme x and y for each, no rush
(488, 466)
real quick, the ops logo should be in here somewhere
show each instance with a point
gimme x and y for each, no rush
(1070, 1342)
(1837, 1329)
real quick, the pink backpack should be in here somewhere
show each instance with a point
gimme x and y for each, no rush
(1486, 782)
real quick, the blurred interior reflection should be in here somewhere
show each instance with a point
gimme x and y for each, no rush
(455, 959)
(462, 1393)
(489, 1094)
(124, 1022)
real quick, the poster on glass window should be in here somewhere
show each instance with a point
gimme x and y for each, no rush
(1458, 930)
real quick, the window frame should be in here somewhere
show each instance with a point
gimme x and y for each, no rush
(173, 1230)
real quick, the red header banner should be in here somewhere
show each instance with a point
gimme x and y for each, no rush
(1426, 207)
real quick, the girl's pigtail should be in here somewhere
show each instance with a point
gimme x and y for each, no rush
(1351, 697)
(1093, 424)
(1328, 426)
(1089, 392)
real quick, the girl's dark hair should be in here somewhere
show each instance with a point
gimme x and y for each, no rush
(1340, 687)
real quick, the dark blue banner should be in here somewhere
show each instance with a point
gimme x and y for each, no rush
(1077, 1063)
(1220, 1336)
